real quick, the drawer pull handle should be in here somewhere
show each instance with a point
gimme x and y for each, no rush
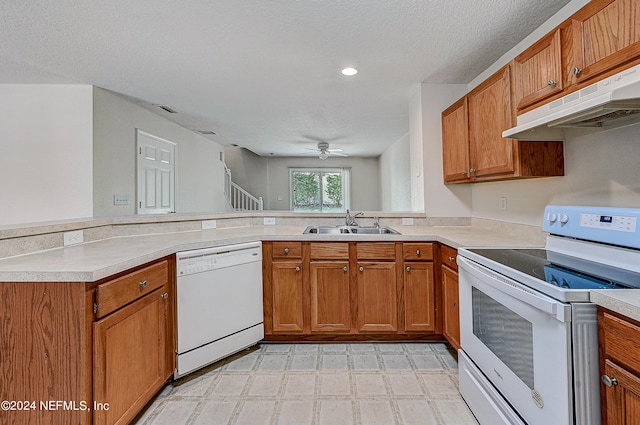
(451, 259)
(345, 268)
(408, 269)
(297, 268)
(164, 296)
(609, 381)
(286, 250)
(417, 252)
(143, 283)
(361, 269)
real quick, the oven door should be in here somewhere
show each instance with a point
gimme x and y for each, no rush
(521, 340)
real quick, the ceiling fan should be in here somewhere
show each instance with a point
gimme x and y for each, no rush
(324, 151)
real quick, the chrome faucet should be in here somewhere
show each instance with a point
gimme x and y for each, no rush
(376, 222)
(350, 220)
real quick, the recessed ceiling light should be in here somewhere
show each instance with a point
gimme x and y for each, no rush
(349, 71)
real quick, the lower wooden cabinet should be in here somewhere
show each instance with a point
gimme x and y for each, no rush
(330, 300)
(619, 368)
(287, 296)
(377, 302)
(450, 297)
(350, 291)
(419, 297)
(103, 349)
(129, 358)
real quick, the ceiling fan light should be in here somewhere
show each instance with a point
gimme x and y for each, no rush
(323, 155)
(349, 72)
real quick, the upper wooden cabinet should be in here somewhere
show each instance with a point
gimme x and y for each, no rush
(538, 71)
(473, 147)
(490, 113)
(601, 36)
(597, 41)
(455, 142)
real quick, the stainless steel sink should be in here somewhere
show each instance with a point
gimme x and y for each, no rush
(354, 230)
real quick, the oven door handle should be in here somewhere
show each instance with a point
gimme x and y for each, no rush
(549, 306)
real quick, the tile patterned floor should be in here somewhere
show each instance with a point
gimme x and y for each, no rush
(333, 384)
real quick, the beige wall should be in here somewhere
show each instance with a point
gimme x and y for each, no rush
(45, 152)
(395, 177)
(601, 169)
(269, 177)
(199, 171)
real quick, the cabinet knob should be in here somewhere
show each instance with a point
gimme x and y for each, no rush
(164, 296)
(361, 269)
(417, 252)
(451, 259)
(576, 71)
(286, 250)
(552, 83)
(408, 269)
(464, 172)
(143, 283)
(297, 268)
(609, 381)
(345, 268)
(472, 170)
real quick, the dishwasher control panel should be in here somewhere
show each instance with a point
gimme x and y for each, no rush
(203, 260)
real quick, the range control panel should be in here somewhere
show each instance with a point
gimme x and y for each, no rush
(616, 226)
(614, 222)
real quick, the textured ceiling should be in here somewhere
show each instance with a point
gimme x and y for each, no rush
(264, 74)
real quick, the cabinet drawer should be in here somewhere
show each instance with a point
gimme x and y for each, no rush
(287, 249)
(417, 251)
(116, 293)
(329, 250)
(448, 256)
(376, 250)
(620, 341)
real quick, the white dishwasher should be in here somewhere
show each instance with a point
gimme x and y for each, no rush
(219, 307)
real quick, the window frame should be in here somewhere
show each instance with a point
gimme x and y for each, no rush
(346, 185)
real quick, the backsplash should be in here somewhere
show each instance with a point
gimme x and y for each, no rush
(44, 236)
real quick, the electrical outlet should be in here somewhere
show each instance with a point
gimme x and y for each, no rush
(269, 221)
(72, 238)
(120, 200)
(407, 221)
(209, 224)
(503, 203)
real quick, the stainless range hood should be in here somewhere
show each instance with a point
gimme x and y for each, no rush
(609, 103)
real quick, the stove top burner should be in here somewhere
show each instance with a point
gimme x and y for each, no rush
(561, 270)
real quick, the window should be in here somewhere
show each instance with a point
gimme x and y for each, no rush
(320, 189)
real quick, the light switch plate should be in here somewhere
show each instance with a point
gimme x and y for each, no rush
(407, 221)
(120, 200)
(72, 238)
(209, 224)
(269, 221)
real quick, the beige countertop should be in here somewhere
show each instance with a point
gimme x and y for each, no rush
(93, 261)
(623, 301)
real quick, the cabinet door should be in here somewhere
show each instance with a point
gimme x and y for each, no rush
(330, 300)
(490, 114)
(451, 314)
(622, 398)
(605, 34)
(287, 296)
(455, 142)
(377, 299)
(538, 71)
(419, 302)
(129, 358)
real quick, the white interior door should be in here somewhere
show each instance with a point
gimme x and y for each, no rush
(156, 174)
